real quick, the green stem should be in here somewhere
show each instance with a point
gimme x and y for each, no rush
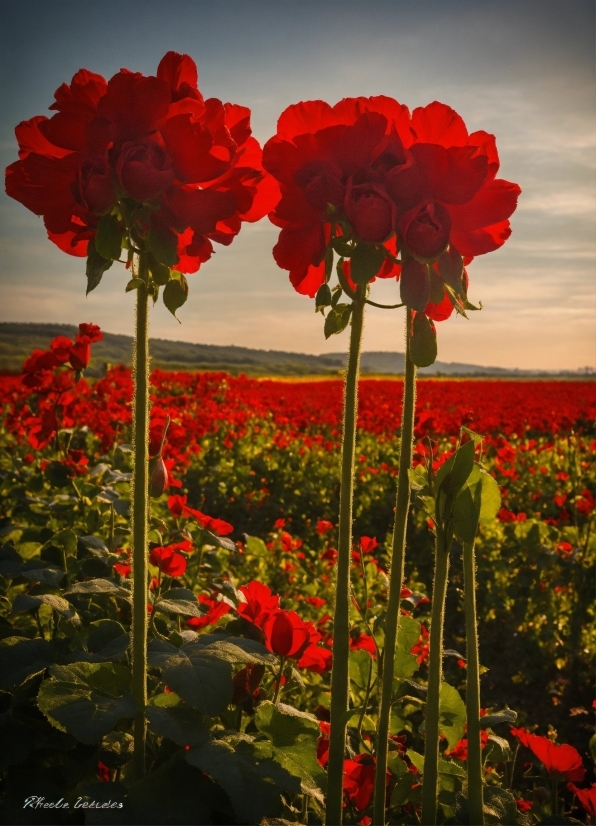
(140, 518)
(340, 682)
(282, 662)
(396, 580)
(435, 676)
(475, 788)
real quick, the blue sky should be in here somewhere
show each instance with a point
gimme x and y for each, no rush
(522, 70)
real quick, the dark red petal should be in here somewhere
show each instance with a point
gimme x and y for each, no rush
(481, 241)
(492, 204)
(307, 282)
(452, 175)
(176, 69)
(31, 139)
(305, 117)
(438, 123)
(298, 248)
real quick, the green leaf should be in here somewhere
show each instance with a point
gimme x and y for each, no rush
(323, 297)
(99, 586)
(235, 649)
(246, 771)
(478, 502)
(202, 680)
(163, 246)
(208, 538)
(185, 605)
(116, 749)
(360, 665)
(159, 272)
(423, 341)
(337, 319)
(102, 632)
(96, 266)
(181, 724)
(86, 699)
(10, 561)
(507, 715)
(294, 737)
(445, 766)
(497, 750)
(26, 602)
(65, 539)
(134, 284)
(20, 659)
(108, 238)
(366, 261)
(463, 464)
(175, 293)
(452, 714)
(406, 663)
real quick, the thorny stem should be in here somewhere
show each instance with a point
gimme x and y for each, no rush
(396, 579)
(140, 518)
(340, 682)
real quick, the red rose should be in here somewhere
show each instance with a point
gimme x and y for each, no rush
(286, 634)
(148, 139)
(260, 603)
(367, 164)
(425, 230)
(370, 211)
(80, 353)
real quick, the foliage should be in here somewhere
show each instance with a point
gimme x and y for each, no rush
(260, 456)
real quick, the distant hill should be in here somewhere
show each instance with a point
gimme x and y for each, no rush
(17, 340)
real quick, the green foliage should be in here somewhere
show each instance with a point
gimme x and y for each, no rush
(86, 699)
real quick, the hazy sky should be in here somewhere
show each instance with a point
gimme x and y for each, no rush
(522, 70)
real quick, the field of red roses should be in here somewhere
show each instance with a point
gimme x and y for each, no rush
(243, 550)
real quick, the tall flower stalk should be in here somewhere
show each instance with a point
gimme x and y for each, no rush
(475, 786)
(444, 539)
(140, 515)
(340, 682)
(141, 169)
(398, 555)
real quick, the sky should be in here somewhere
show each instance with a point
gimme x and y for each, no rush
(520, 69)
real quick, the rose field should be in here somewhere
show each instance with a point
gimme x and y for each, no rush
(231, 600)
(242, 554)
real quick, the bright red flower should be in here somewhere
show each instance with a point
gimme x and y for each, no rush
(260, 603)
(460, 750)
(286, 634)
(316, 659)
(323, 526)
(524, 805)
(561, 760)
(368, 544)
(168, 560)
(190, 163)
(368, 166)
(364, 642)
(176, 504)
(210, 523)
(214, 611)
(587, 797)
(359, 780)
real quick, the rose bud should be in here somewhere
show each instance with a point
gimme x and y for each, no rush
(159, 478)
(80, 353)
(425, 230)
(370, 211)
